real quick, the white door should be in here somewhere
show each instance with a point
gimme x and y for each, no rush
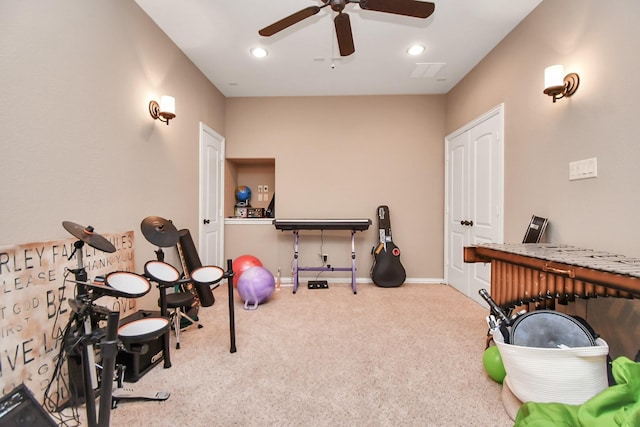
(457, 209)
(211, 245)
(474, 199)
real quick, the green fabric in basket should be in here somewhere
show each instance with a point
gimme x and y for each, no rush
(616, 406)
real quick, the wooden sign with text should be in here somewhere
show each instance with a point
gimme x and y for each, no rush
(35, 286)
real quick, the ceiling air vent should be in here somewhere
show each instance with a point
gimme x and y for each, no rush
(427, 69)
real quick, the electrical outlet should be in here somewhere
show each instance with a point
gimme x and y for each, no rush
(259, 188)
(265, 188)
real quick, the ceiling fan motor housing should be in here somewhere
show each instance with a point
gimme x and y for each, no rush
(336, 5)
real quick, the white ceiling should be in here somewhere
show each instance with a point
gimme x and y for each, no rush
(217, 35)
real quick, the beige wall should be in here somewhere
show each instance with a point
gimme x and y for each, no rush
(541, 137)
(78, 144)
(341, 157)
(77, 140)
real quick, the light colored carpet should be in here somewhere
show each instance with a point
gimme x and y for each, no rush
(407, 356)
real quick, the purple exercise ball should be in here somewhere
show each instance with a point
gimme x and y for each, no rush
(255, 286)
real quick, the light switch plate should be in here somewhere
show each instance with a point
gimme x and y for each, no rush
(582, 169)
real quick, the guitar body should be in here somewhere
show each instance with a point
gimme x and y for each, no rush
(387, 270)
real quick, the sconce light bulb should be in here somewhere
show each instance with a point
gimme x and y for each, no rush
(554, 76)
(168, 104)
(557, 85)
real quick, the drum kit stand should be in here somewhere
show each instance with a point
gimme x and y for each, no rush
(91, 325)
(163, 233)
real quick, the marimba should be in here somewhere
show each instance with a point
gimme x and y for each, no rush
(545, 273)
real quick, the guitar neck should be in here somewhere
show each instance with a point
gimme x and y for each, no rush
(384, 224)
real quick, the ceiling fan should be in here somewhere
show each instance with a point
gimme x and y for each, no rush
(415, 8)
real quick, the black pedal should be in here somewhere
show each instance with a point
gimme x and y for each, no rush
(318, 284)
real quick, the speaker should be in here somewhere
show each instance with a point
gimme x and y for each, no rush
(20, 408)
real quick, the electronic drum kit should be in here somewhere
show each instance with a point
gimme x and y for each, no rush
(132, 336)
(163, 233)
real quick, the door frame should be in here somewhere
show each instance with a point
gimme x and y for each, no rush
(497, 110)
(204, 129)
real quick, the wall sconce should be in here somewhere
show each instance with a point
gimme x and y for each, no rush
(558, 85)
(164, 111)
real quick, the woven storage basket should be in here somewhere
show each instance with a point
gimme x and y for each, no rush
(562, 375)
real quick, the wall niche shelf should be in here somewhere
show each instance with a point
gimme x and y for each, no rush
(248, 221)
(258, 174)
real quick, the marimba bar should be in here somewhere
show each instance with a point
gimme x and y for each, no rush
(545, 273)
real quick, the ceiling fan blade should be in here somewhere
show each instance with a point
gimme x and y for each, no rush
(417, 9)
(290, 20)
(344, 35)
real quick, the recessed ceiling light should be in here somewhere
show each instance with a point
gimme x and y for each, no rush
(416, 49)
(258, 52)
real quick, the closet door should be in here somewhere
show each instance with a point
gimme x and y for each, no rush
(457, 211)
(474, 205)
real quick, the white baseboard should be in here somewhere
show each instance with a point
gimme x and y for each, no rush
(288, 281)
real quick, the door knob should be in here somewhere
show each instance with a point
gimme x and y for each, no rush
(463, 222)
(470, 223)
(206, 221)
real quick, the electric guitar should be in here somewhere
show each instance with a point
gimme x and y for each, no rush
(387, 270)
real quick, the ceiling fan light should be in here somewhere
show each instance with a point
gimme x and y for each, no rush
(415, 50)
(259, 52)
